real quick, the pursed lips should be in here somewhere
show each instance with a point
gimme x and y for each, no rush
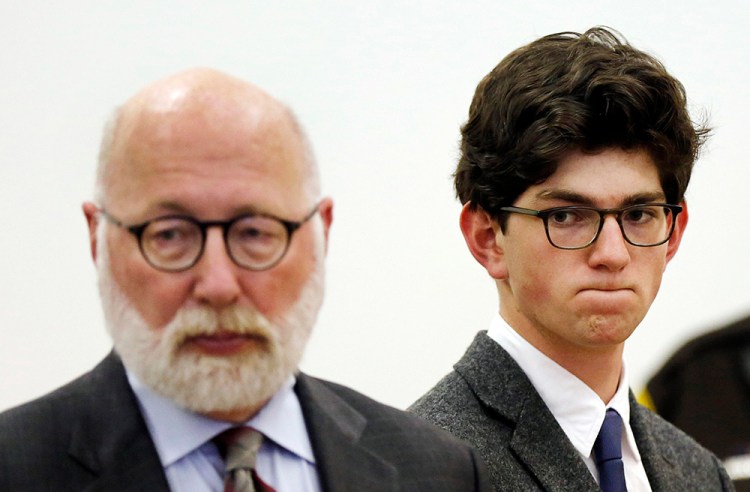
(606, 288)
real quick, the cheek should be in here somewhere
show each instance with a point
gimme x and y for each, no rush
(534, 287)
(655, 273)
(274, 291)
(156, 295)
(534, 274)
(268, 293)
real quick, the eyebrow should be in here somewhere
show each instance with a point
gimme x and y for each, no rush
(170, 207)
(580, 199)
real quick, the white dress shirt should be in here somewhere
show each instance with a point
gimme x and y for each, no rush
(191, 461)
(576, 407)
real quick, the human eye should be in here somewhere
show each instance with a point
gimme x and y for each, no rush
(257, 229)
(170, 237)
(168, 230)
(642, 215)
(256, 238)
(568, 217)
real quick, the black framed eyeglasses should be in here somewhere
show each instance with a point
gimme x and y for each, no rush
(577, 227)
(175, 243)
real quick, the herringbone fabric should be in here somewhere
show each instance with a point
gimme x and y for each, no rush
(489, 402)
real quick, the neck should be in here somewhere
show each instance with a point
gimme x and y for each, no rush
(599, 367)
(599, 370)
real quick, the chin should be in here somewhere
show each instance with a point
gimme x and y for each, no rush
(204, 383)
(208, 383)
(609, 330)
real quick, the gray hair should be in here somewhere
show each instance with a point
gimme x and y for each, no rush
(105, 154)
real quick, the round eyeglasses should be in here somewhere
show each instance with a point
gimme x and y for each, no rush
(576, 227)
(175, 243)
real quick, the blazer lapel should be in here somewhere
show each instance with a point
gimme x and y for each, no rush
(133, 471)
(110, 438)
(658, 461)
(543, 447)
(335, 429)
(537, 441)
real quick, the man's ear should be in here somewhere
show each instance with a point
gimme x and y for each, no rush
(91, 212)
(326, 214)
(480, 231)
(679, 229)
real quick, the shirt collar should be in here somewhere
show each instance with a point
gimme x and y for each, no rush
(177, 432)
(281, 420)
(576, 407)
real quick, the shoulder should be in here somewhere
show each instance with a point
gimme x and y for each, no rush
(380, 415)
(668, 437)
(427, 457)
(449, 400)
(109, 374)
(51, 412)
(481, 402)
(487, 390)
(35, 439)
(666, 449)
(43, 426)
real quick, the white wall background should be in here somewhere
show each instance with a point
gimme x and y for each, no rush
(382, 87)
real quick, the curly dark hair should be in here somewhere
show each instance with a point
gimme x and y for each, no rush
(565, 92)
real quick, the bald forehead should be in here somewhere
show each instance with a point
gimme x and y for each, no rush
(200, 97)
(208, 112)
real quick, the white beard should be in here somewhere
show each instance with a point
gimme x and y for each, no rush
(199, 382)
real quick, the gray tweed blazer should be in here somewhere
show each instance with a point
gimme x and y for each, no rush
(489, 402)
(90, 435)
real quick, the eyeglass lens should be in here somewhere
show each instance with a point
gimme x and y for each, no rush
(176, 243)
(642, 225)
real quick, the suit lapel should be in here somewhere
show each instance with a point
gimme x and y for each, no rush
(543, 447)
(344, 462)
(537, 440)
(658, 461)
(110, 438)
(131, 472)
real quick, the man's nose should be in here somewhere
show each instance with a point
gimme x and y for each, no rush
(217, 284)
(610, 248)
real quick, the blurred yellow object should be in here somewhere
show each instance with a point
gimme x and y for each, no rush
(644, 398)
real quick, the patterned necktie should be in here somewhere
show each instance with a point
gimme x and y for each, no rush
(239, 447)
(608, 453)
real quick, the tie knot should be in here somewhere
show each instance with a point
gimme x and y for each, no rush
(608, 443)
(239, 447)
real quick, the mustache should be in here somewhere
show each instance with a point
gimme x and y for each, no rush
(195, 322)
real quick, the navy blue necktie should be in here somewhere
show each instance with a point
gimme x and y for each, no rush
(608, 453)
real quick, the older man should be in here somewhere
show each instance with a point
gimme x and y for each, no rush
(209, 237)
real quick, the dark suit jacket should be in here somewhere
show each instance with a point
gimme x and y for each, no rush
(489, 402)
(90, 435)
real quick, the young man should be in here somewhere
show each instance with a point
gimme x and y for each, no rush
(575, 160)
(209, 235)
